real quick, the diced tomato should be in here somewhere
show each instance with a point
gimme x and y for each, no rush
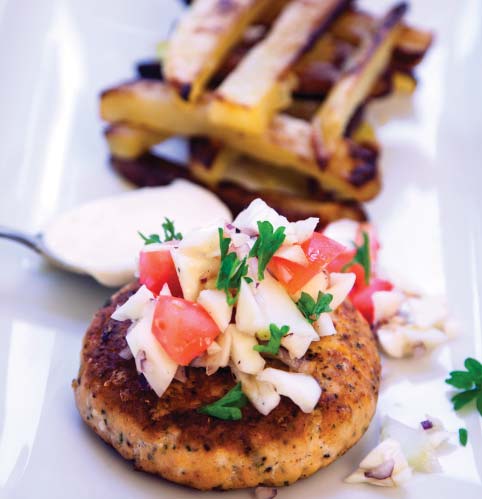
(156, 268)
(362, 299)
(339, 263)
(183, 328)
(319, 250)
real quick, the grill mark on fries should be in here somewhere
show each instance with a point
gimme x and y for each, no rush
(260, 84)
(204, 35)
(355, 86)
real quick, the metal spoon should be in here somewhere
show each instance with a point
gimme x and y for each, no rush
(37, 244)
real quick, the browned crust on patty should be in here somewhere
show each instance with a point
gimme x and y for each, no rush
(168, 437)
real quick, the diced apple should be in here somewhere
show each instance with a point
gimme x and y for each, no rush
(192, 271)
(249, 317)
(262, 395)
(134, 307)
(340, 286)
(316, 284)
(302, 389)
(202, 243)
(324, 325)
(158, 368)
(216, 305)
(280, 309)
(246, 359)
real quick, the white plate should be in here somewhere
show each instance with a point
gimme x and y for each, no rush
(55, 56)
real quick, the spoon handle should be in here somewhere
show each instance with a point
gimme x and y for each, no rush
(28, 240)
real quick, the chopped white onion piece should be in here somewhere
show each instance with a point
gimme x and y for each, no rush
(303, 229)
(426, 311)
(265, 492)
(133, 309)
(324, 325)
(158, 368)
(389, 456)
(302, 389)
(416, 444)
(386, 304)
(262, 395)
(258, 210)
(293, 253)
(340, 286)
(215, 303)
(165, 291)
(243, 356)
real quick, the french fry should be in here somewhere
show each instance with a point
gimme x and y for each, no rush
(261, 84)
(287, 142)
(150, 170)
(205, 34)
(355, 86)
(128, 142)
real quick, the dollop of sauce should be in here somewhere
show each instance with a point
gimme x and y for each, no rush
(101, 237)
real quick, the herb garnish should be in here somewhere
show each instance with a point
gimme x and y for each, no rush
(231, 270)
(470, 381)
(169, 234)
(311, 309)
(463, 436)
(170, 231)
(227, 407)
(268, 242)
(274, 341)
(362, 256)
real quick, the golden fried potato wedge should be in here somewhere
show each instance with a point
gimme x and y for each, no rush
(204, 35)
(260, 85)
(356, 85)
(287, 142)
(150, 170)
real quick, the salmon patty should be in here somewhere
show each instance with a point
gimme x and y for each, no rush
(168, 437)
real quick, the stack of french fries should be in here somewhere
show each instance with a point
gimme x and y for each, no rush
(271, 94)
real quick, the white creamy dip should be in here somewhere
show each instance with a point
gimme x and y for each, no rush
(101, 238)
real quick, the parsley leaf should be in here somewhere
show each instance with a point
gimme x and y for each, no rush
(231, 270)
(463, 436)
(470, 381)
(311, 309)
(268, 242)
(170, 231)
(227, 407)
(362, 256)
(274, 341)
(152, 239)
(169, 234)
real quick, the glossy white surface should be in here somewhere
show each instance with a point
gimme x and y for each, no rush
(56, 55)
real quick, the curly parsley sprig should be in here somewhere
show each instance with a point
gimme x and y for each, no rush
(274, 342)
(231, 270)
(169, 234)
(312, 309)
(470, 381)
(227, 407)
(362, 256)
(267, 244)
